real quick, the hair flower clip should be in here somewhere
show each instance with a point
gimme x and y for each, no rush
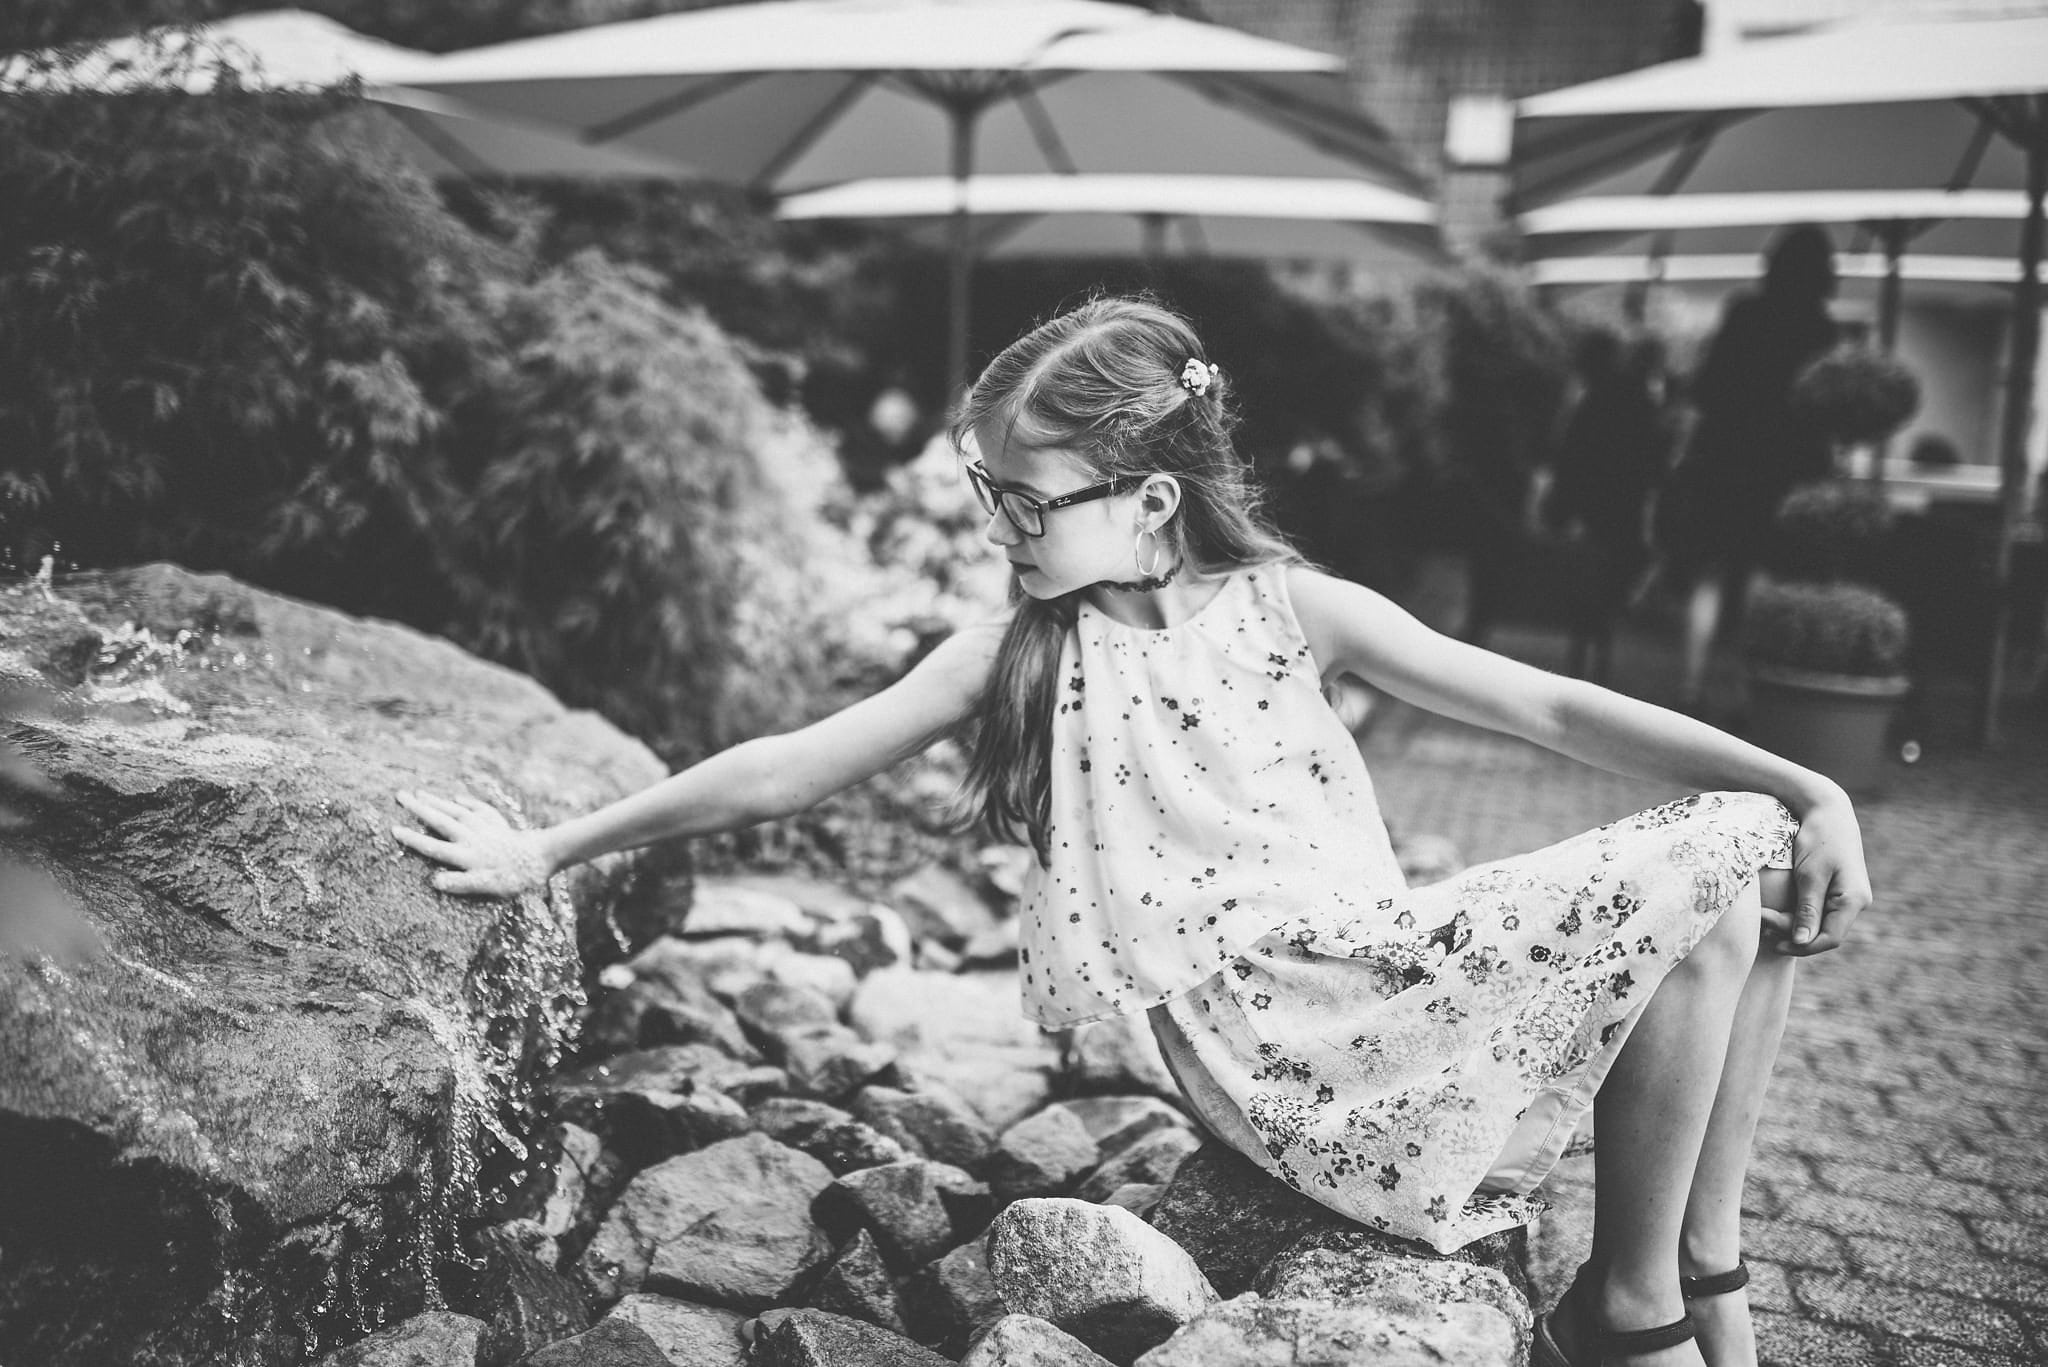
(1196, 377)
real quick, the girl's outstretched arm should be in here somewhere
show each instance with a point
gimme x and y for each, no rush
(1353, 630)
(756, 780)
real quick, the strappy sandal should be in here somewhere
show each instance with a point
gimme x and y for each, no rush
(1715, 1283)
(1572, 1336)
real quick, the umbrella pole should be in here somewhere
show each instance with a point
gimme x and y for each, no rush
(2019, 393)
(960, 249)
(1893, 234)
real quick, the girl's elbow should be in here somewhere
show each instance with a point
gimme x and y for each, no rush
(1557, 713)
(763, 790)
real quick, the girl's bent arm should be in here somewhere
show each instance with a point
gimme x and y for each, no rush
(756, 780)
(1351, 629)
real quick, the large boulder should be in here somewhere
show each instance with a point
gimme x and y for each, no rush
(1100, 1273)
(256, 1120)
(1232, 1217)
(729, 1225)
(691, 1335)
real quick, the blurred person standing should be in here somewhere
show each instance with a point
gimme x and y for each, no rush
(1750, 446)
(1613, 456)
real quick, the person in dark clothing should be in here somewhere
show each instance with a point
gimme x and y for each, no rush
(1612, 459)
(1750, 447)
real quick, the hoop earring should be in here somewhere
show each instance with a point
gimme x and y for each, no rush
(1138, 553)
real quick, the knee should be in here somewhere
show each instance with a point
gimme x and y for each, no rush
(1729, 949)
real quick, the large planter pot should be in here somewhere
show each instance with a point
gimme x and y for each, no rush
(1835, 723)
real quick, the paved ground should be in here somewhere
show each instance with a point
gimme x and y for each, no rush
(1898, 1214)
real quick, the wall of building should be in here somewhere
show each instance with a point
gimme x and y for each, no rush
(1410, 58)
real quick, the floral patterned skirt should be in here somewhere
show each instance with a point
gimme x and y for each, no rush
(1420, 1069)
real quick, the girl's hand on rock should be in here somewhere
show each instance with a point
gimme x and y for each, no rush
(486, 856)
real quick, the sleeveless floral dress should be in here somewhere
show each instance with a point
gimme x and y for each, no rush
(1415, 1059)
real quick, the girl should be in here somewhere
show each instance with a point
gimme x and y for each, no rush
(1151, 718)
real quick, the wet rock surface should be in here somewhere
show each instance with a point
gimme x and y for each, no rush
(439, 1338)
(252, 1123)
(785, 1134)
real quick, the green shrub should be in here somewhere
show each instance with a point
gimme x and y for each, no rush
(1827, 628)
(1856, 395)
(236, 333)
(1833, 529)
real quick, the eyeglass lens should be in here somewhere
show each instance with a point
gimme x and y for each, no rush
(1024, 514)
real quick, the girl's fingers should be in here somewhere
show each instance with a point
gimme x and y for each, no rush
(423, 806)
(441, 815)
(421, 843)
(1806, 919)
(485, 813)
(461, 884)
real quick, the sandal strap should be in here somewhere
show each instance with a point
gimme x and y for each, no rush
(1715, 1283)
(1630, 1341)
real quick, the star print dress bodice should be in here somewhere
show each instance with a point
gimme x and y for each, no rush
(1203, 792)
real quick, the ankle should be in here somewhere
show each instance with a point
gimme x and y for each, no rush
(1635, 1299)
(1707, 1255)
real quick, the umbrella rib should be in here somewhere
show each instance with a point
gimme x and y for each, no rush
(463, 159)
(1698, 138)
(1973, 155)
(1622, 148)
(1331, 131)
(2011, 115)
(813, 128)
(657, 110)
(1001, 230)
(1050, 144)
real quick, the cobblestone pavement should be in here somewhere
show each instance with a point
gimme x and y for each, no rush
(1898, 1207)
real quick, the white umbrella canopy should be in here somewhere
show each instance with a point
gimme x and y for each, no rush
(1866, 107)
(291, 50)
(793, 94)
(1269, 217)
(1952, 106)
(799, 94)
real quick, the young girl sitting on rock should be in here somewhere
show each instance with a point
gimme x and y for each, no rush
(1151, 718)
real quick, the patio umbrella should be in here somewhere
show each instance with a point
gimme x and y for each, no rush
(799, 94)
(1950, 106)
(284, 50)
(1271, 217)
(1939, 224)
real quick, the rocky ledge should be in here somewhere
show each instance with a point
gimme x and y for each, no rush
(814, 1136)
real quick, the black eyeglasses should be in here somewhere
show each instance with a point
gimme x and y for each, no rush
(1027, 514)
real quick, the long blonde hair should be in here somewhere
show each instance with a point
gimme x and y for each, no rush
(1101, 381)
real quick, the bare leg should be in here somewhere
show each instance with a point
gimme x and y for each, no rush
(1711, 1239)
(1702, 617)
(1651, 1116)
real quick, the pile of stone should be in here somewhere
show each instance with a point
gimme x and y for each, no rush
(815, 1132)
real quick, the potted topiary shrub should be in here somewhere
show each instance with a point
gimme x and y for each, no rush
(1832, 530)
(1826, 655)
(1856, 395)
